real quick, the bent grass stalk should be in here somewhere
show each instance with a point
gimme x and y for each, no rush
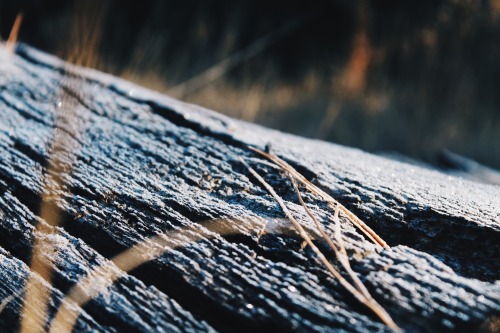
(367, 301)
(372, 235)
(33, 320)
(14, 34)
(105, 275)
(340, 252)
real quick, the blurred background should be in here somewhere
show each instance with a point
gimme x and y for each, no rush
(397, 77)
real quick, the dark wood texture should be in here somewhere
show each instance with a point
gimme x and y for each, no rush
(136, 164)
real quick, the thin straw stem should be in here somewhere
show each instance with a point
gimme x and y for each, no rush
(372, 235)
(367, 301)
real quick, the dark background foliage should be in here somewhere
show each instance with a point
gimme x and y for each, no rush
(412, 77)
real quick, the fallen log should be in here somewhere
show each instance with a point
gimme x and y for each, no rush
(92, 166)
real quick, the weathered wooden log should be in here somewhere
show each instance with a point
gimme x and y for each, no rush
(119, 164)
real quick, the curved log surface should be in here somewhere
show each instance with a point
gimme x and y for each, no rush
(135, 164)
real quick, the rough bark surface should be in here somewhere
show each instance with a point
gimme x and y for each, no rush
(137, 164)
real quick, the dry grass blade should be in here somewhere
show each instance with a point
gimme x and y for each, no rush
(372, 235)
(60, 164)
(14, 34)
(340, 252)
(367, 301)
(311, 215)
(104, 276)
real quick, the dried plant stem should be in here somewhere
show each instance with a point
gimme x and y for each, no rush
(372, 235)
(104, 276)
(59, 166)
(340, 252)
(14, 33)
(300, 229)
(367, 301)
